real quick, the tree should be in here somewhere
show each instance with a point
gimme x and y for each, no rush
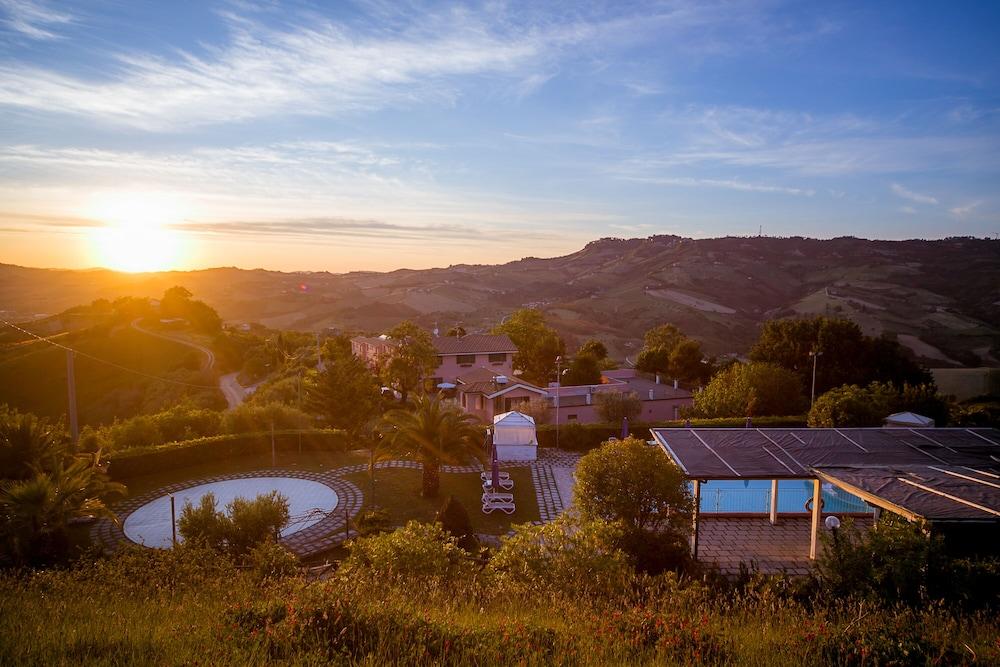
(538, 344)
(848, 356)
(29, 443)
(345, 393)
(594, 348)
(434, 432)
(583, 369)
(850, 405)
(614, 406)
(686, 362)
(754, 389)
(35, 513)
(456, 331)
(413, 358)
(177, 302)
(629, 481)
(456, 522)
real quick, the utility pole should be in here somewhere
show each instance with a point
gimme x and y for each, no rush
(74, 427)
(558, 386)
(274, 456)
(815, 356)
(299, 382)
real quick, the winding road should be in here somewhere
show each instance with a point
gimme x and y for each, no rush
(228, 384)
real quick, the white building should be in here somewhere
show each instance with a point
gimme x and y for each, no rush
(514, 437)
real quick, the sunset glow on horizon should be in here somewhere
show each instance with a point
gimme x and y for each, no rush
(357, 136)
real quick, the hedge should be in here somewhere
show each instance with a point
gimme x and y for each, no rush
(156, 458)
(583, 437)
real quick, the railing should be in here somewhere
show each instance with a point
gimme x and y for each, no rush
(758, 501)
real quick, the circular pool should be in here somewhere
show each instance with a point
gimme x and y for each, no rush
(308, 503)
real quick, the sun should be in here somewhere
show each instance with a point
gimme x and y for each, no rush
(136, 235)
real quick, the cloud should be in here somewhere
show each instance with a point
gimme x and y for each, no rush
(917, 197)
(321, 68)
(909, 210)
(32, 19)
(727, 184)
(965, 210)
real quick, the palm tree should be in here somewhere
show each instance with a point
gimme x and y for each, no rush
(36, 512)
(28, 442)
(435, 432)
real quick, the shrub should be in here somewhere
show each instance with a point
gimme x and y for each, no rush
(756, 388)
(567, 555)
(416, 549)
(244, 525)
(455, 521)
(269, 561)
(373, 521)
(614, 406)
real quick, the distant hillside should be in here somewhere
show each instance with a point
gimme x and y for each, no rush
(941, 298)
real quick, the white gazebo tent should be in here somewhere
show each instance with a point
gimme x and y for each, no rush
(514, 437)
(908, 420)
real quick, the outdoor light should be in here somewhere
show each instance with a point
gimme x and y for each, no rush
(832, 523)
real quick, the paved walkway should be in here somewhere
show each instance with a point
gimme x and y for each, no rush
(729, 541)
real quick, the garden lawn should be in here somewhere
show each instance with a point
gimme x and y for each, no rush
(397, 490)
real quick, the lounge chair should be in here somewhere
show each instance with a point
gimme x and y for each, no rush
(505, 484)
(489, 475)
(498, 501)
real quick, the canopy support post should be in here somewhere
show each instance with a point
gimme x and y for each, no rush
(694, 518)
(774, 501)
(817, 502)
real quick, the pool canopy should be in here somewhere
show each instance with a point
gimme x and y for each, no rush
(937, 474)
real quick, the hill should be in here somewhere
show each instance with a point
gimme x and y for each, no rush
(941, 298)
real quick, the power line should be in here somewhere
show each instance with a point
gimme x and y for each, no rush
(106, 362)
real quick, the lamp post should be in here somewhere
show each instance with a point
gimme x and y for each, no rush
(558, 385)
(815, 357)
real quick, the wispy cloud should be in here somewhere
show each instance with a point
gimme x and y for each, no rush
(917, 197)
(965, 210)
(322, 68)
(726, 184)
(32, 19)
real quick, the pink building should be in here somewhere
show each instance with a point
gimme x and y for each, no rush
(485, 394)
(660, 401)
(455, 355)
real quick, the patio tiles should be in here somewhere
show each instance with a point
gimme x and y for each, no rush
(729, 541)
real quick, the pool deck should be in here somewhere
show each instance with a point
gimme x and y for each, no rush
(729, 541)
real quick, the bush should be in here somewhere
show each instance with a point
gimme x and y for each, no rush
(654, 553)
(567, 556)
(269, 561)
(455, 520)
(415, 550)
(169, 456)
(372, 522)
(243, 526)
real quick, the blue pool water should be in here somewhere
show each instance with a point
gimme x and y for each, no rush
(754, 496)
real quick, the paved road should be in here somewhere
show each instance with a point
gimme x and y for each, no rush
(232, 389)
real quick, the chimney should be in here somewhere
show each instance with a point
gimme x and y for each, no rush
(675, 384)
(657, 378)
(650, 394)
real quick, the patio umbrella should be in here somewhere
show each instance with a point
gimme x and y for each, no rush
(624, 427)
(495, 472)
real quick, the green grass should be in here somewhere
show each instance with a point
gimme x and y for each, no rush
(33, 376)
(397, 490)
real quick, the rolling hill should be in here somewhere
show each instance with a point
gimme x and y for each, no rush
(941, 298)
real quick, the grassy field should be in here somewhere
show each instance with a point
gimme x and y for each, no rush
(189, 607)
(397, 490)
(33, 376)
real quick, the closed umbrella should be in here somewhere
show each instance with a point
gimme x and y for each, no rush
(624, 427)
(495, 472)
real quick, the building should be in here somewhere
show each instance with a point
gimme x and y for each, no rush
(456, 355)
(485, 394)
(514, 437)
(660, 401)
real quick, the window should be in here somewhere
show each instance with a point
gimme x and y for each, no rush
(465, 359)
(571, 418)
(498, 358)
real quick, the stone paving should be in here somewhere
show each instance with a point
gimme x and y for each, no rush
(549, 475)
(784, 547)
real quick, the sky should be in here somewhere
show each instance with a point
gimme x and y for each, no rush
(382, 134)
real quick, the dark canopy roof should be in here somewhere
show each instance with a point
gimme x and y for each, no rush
(939, 493)
(792, 453)
(938, 474)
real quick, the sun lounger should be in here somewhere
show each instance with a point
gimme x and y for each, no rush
(489, 475)
(505, 484)
(498, 501)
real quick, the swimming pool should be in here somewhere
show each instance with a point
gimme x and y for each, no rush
(754, 496)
